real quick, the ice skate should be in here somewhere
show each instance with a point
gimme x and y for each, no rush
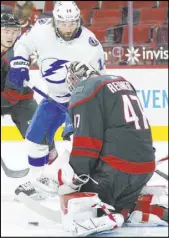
(39, 189)
(30, 190)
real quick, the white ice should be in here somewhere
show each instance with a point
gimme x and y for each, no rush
(15, 216)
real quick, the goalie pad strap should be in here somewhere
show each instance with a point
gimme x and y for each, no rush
(144, 205)
(109, 214)
(145, 217)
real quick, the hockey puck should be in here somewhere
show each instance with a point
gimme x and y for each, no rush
(33, 223)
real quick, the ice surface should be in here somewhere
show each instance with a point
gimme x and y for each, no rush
(15, 216)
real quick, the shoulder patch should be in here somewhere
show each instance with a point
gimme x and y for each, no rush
(42, 20)
(79, 89)
(93, 41)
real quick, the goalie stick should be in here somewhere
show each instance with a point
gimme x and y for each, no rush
(39, 208)
(51, 214)
(14, 173)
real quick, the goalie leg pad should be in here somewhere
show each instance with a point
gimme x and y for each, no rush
(77, 207)
(79, 214)
(98, 224)
(139, 218)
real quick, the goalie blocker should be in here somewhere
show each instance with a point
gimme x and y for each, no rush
(79, 214)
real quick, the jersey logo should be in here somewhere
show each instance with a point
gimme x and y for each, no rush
(58, 64)
(93, 41)
(42, 20)
(79, 89)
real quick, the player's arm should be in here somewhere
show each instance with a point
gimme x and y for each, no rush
(19, 64)
(88, 136)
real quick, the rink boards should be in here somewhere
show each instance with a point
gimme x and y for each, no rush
(151, 84)
(10, 133)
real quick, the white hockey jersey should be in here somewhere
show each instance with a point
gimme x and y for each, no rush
(54, 53)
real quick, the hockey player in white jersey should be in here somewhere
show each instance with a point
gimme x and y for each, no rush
(58, 41)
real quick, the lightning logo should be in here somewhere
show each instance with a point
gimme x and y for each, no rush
(58, 64)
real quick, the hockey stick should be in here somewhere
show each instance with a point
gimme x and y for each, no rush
(161, 160)
(163, 175)
(40, 92)
(14, 173)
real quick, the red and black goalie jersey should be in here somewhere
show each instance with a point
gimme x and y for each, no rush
(110, 125)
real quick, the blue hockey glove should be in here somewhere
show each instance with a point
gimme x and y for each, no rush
(19, 71)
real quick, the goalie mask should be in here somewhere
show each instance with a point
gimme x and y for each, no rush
(66, 19)
(78, 72)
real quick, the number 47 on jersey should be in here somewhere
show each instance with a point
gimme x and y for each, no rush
(130, 114)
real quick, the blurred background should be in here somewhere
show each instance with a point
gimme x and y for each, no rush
(119, 25)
